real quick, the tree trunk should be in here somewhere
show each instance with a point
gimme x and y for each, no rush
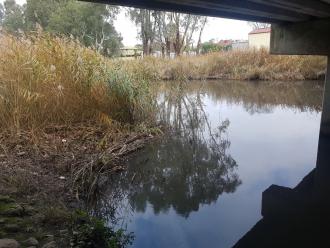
(163, 50)
(177, 44)
(198, 48)
(168, 48)
(145, 47)
(150, 48)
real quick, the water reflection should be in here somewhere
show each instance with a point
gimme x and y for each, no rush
(188, 167)
(259, 96)
(165, 196)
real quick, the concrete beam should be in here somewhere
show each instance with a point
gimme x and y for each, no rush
(304, 38)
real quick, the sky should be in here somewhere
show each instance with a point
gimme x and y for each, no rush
(216, 28)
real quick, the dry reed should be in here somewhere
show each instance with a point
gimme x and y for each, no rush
(46, 80)
(236, 65)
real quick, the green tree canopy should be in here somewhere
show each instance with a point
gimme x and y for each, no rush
(2, 13)
(91, 23)
(40, 11)
(12, 16)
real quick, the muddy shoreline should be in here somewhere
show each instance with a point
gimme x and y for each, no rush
(55, 173)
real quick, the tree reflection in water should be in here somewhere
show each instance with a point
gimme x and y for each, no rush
(187, 167)
(191, 164)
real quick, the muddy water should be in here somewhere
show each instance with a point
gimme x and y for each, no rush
(201, 184)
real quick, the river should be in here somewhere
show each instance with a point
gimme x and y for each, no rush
(200, 185)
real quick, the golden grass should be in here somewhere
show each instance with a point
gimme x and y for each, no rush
(45, 80)
(236, 65)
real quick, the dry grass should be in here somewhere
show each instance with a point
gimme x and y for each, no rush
(63, 108)
(47, 81)
(236, 65)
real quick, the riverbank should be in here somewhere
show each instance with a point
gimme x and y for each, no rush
(233, 65)
(57, 175)
(69, 118)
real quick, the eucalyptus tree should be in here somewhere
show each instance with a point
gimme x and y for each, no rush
(146, 21)
(163, 35)
(2, 12)
(168, 29)
(38, 12)
(203, 22)
(13, 16)
(179, 29)
(91, 23)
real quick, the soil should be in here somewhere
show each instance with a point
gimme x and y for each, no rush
(47, 171)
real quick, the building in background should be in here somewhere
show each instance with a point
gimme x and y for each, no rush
(259, 38)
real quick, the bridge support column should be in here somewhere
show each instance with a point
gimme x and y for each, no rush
(310, 38)
(303, 38)
(322, 173)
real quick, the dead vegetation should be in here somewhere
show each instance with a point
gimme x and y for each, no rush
(64, 164)
(68, 116)
(90, 177)
(233, 65)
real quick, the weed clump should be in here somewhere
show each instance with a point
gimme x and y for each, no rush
(90, 232)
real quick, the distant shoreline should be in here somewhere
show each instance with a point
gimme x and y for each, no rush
(232, 65)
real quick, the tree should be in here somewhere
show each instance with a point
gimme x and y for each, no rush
(174, 30)
(38, 12)
(2, 13)
(163, 35)
(258, 25)
(202, 26)
(13, 16)
(180, 30)
(146, 21)
(184, 26)
(91, 23)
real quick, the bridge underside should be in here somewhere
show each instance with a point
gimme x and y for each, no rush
(272, 11)
(296, 217)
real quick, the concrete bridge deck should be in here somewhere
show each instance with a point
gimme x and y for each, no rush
(272, 11)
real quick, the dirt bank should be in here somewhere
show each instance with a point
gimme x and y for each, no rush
(58, 171)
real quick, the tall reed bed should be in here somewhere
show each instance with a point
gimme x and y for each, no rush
(237, 65)
(46, 80)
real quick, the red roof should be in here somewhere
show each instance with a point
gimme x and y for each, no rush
(225, 42)
(260, 30)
